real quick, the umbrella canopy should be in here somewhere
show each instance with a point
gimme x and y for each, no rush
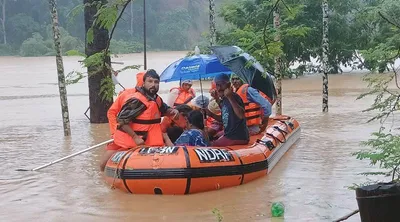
(247, 68)
(194, 68)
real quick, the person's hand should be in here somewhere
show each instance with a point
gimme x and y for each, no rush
(138, 140)
(228, 92)
(214, 94)
(174, 113)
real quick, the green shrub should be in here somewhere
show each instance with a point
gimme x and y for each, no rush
(34, 46)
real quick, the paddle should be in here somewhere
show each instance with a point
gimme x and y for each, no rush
(69, 156)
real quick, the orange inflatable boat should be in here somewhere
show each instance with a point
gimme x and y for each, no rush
(187, 170)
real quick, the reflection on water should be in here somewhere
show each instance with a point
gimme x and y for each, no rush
(310, 179)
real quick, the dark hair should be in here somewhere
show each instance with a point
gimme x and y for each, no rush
(174, 133)
(185, 109)
(152, 74)
(196, 118)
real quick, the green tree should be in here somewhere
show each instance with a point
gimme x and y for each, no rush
(252, 29)
(384, 146)
(21, 27)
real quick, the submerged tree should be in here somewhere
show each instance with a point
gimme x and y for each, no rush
(97, 73)
(60, 69)
(325, 51)
(101, 19)
(3, 20)
(212, 22)
(278, 64)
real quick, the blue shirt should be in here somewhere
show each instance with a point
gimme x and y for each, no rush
(234, 127)
(255, 97)
(192, 137)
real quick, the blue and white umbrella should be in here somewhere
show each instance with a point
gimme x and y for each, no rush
(194, 67)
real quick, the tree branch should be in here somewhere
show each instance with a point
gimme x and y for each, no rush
(266, 22)
(347, 216)
(386, 19)
(286, 6)
(115, 25)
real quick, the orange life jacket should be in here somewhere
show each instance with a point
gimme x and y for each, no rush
(213, 86)
(147, 125)
(267, 98)
(116, 107)
(210, 121)
(252, 110)
(183, 95)
(122, 97)
(139, 79)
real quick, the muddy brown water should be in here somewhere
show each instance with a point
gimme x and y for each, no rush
(310, 179)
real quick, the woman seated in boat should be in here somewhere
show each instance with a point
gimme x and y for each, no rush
(195, 135)
(175, 127)
(232, 114)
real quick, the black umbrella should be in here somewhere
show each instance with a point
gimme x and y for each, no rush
(247, 68)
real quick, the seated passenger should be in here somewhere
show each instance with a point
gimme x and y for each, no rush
(119, 102)
(181, 95)
(171, 126)
(257, 108)
(139, 119)
(233, 115)
(215, 129)
(195, 135)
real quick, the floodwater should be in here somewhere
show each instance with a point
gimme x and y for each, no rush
(310, 179)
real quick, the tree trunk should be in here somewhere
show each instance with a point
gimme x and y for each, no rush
(144, 36)
(3, 21)
(132, 19)
(212, 23)
(325, 49)
(60, 68)
(98, 106)
(278, 73)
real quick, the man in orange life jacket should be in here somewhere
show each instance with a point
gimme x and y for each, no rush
(257, 108)
(184, 94)
(119, 102)
(139, 119)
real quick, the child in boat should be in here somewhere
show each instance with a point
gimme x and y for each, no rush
(195, 136)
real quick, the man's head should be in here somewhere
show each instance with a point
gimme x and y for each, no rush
(236, 81)
(151, 82)
(222, 82)
(186, 84)
(183, 109)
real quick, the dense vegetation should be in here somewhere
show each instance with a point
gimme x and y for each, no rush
(355, 28)
(171, 25)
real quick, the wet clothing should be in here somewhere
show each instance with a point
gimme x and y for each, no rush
(234, 127)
